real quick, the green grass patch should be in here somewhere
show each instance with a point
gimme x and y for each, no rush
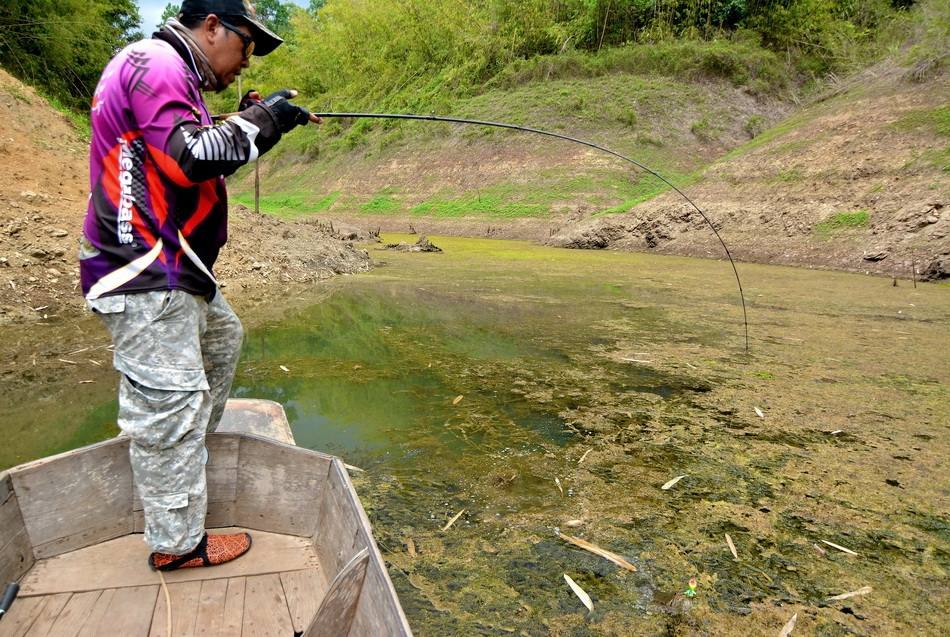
(744, 63)
(755, 126)
(938, 158)
(619, 189)
(842, 221)
(382, 204)
(574, 105)
(79, 121)
(287, 205)
(325, 203)
(931, 120)
(611, 191)
(646, 187)
(627, 117)
(705, 130)
(493, 206)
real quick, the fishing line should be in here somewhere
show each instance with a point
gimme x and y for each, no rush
(538, 131)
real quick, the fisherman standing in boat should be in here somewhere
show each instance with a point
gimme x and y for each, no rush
(156, 219)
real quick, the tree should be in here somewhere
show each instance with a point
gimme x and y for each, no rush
(316, 5)
(123, 16)
(171, 11)
(61, 46)
(275, 14)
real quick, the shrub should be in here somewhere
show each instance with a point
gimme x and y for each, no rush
(755, 125)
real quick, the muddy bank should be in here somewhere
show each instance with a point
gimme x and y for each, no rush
(678, 229)
(674, 228)
(43, 202)
(40, 273)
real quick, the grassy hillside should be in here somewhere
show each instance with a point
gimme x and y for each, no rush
(857, 178)
(769, 154)
(673, 107)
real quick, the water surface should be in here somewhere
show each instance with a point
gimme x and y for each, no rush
(532, 386)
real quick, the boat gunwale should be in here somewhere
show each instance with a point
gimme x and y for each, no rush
(10, 478)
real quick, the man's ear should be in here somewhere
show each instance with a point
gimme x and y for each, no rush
(210, 28)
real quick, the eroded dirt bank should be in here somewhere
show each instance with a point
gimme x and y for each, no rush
(855, 181)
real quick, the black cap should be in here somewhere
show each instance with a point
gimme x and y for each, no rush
(265, 40)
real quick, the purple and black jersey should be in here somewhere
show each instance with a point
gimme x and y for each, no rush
(157, 214)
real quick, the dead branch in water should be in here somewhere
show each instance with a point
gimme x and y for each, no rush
(596, 550)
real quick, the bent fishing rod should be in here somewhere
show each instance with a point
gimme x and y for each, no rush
(538, 131)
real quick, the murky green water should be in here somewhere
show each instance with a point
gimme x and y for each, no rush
(376, 368)
(474, 378)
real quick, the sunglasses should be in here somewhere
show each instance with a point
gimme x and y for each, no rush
(245, 38)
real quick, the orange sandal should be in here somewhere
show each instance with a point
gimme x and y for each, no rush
(211, 551)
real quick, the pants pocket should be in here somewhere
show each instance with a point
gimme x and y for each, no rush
(168, 303)
(166, 522)
(108, 304)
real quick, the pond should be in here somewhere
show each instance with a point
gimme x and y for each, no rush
(540, 389)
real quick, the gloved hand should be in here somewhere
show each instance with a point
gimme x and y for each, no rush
(250, 98)
(286, 114)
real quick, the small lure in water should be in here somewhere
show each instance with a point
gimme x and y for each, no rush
(691, 587)
(684, 601)
(678, 603)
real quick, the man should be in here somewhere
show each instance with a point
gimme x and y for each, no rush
(157, 218)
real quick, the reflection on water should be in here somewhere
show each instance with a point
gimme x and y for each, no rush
(376, 370)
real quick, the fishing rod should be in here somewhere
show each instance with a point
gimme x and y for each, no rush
(538, 131)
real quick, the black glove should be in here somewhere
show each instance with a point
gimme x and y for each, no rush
(286, 114)
(250, 98)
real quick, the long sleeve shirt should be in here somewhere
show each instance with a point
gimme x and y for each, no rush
(157, 213)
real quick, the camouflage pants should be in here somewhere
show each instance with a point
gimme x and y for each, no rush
(177, 354)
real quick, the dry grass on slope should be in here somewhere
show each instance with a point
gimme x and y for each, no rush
(856, 182)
